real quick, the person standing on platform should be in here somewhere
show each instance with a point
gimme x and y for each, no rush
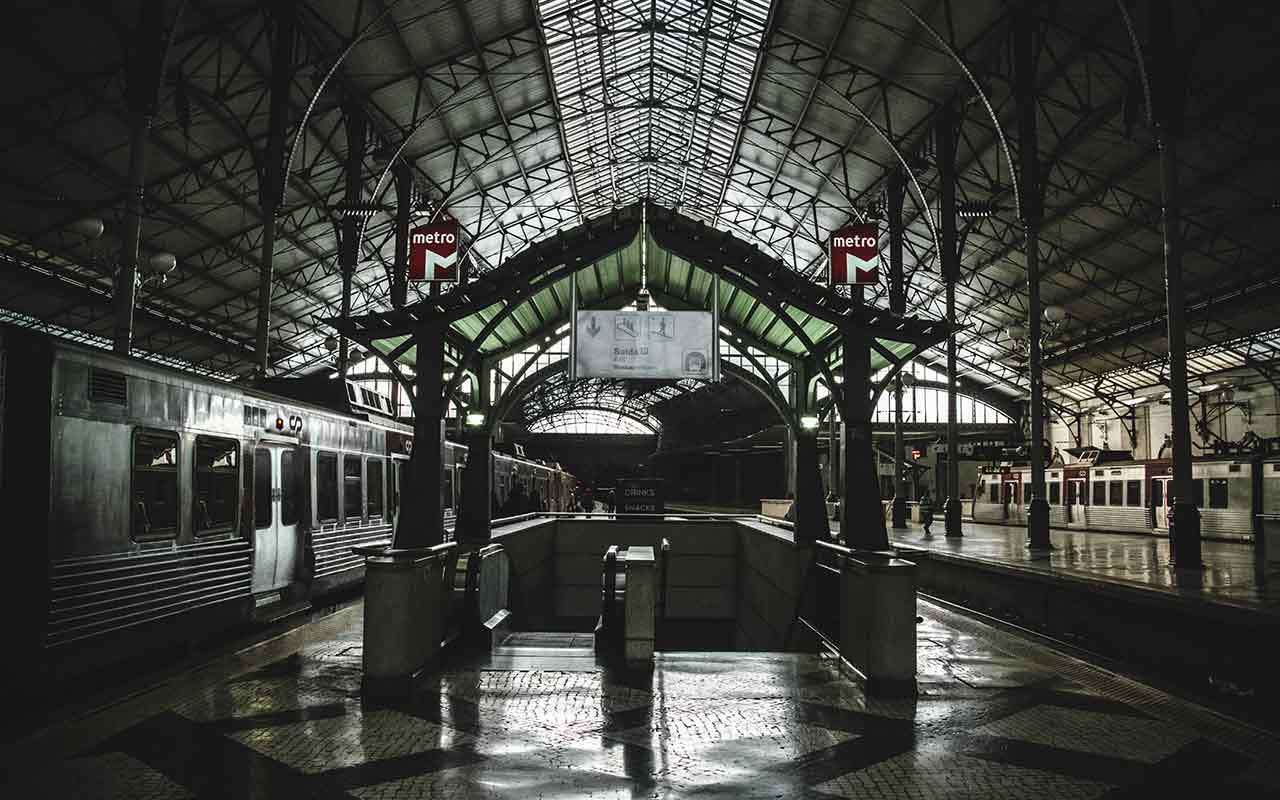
(926, 514)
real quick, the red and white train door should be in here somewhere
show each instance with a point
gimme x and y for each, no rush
(1008, 494)
(275, 518)
(1160, 503)
(1077, 498)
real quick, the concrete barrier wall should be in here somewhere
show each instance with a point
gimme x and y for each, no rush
(744, 572)
(703, 581)
(769, 574)
(531, 547)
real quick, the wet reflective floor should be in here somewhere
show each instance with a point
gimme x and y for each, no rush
(1230, 575)
(996, 717)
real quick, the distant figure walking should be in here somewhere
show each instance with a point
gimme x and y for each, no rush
(926, 514)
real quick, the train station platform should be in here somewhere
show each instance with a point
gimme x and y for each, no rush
(996, 716)
(1232, 575)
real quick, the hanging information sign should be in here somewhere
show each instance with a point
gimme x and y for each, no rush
(855, 255)
(646, 344)
(433, 252)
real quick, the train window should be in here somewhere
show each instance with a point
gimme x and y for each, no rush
(1197, 492)
(1133, 493)
(217, 473)
(155, 484)
(1157, 494)
(1117, 493)
(1055, 494)
(261, 488)
(288, 491)
(1217, 493)
(375, 487)
(448, 488)
(326, 487)
(1099, 493)
(352, 489)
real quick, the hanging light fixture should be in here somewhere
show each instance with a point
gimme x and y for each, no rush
(161, 263)
(331, 343)
(87, 227)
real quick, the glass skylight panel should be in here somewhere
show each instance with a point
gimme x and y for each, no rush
(651, 96)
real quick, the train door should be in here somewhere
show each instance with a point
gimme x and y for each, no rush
(1160, 503)
(1008, 496)
(1077, 497)
(275, 518)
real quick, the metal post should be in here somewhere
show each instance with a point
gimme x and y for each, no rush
(1029, 178)
(126, 285)
(351, 221)
(1168, 88)
(899, 473)
(141, 96)
(284, 17)
(403, 175)
(894, 194)
(421, 521)
(862, 517)
(949, 252)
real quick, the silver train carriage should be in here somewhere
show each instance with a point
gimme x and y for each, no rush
(1121, 494)
(148, 507)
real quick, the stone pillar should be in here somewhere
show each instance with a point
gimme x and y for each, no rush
(1024, 28)
(421, 519)
(1168, 89)
(862, 517)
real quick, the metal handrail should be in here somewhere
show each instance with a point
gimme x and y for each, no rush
(664, 577)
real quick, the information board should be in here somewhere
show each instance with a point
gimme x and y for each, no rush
(646, 344)
(639, 496)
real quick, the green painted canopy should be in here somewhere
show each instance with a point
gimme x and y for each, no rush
(614, 281)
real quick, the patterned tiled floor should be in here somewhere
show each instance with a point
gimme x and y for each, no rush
(996, 717)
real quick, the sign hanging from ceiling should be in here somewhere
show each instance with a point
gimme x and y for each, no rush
(433, 252)
(646, 344)
(855, 255)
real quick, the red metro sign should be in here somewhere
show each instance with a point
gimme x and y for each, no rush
(433, 252)
(855, 256)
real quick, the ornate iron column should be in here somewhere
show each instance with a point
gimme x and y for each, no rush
(1168, 88)
(421, 520)
(283, 16)
(349, 226)
(1032, 213)
(862, 517)
(476, 514)
(898, 305)
(403, 175)
(949, 252)
(141, 96)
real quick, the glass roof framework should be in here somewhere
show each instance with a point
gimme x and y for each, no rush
(652, 96)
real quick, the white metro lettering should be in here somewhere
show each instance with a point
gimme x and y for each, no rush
(435, 237)
(854, 241)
